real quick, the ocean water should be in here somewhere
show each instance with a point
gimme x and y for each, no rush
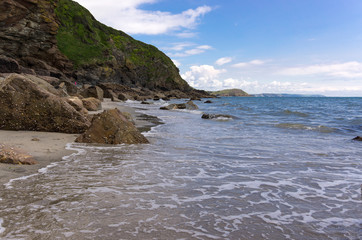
(283, 168)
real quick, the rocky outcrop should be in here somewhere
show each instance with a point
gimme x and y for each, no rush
(28, 30)
(217, 116)
(112, 127)
(230, 93)
(11, 155)
(24, 105)
(189, 106)
(92, 104)
(61, 39)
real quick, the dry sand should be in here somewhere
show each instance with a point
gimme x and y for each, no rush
(51, 146)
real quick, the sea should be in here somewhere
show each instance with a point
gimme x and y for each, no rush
(279, 168)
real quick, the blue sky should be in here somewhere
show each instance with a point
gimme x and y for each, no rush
(279, 46)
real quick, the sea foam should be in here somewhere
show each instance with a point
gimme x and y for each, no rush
(2, 229)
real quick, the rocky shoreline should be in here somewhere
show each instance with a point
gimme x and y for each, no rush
(49, 147)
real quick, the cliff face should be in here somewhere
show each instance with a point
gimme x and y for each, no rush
(28, 31)
(60, 38)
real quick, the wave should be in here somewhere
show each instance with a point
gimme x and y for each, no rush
(2, 229)
(299, 126)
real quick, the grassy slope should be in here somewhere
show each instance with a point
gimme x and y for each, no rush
(230, 92)
(85, 41)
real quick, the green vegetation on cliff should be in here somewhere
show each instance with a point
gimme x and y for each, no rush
(230, 93)
(87, 42)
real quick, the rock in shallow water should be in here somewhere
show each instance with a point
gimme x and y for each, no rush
(112, 127)
(216, 116)
(358, 138)
(189, 106)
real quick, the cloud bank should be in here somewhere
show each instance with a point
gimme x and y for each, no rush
(343, 70)
(127, 16)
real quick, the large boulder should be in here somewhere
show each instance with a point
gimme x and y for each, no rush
(77, 104)
(112, 127)
(26, 106)
(11, 155)
(189, 106)
(93, 91)
(92, 104)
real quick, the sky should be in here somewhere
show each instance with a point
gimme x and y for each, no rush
(260, 46)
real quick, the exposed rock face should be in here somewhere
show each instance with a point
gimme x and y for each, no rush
(61, 39)
(28, 31)
(10, 155)
(92, 104)
(112, 127)
(24, 105)
(8, 65)
(189, 106)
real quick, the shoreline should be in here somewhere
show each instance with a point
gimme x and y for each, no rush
(50, 147)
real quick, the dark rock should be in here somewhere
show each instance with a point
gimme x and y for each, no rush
(122, 97)
(146, 103)
(112, 127)
(24, 105)
(215, 116)
(208, 101)
(156, 98)
(8, 65)
(93, 91)
(358, 138)
(92, 104)
(189, 106)
(69, 87)
(11, 155)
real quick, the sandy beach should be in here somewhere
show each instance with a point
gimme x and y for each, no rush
(50, 147)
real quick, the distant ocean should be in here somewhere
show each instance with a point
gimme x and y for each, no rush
(283, 168)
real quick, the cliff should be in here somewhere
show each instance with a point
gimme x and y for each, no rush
(61, 39)
(230, 93)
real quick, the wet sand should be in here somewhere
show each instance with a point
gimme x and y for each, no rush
(50, 147)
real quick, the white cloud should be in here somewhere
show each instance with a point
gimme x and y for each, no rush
(179, 46)
(193, 51)
(127, 16)
(223, 61)
(247, 64)
(344, 70)
(204, 77)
